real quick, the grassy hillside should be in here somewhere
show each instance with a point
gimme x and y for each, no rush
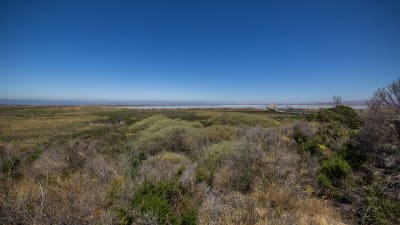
(104, 165)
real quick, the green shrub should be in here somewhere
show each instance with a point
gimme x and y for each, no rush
(216, 154)
(189, 217)
(325, 181)
(353, 157)
(204, 175)
(10, 168)
(158, 122)
(218, 133)
(343, 114)
(211, 158)
(335, 168)
(167, 200)
(332, 172)
(349, 116)
(299, 136)
(329, 136)
(134, 161)
(159, 133)
(148, 122)
(384, 209)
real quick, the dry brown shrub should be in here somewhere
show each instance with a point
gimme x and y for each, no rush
(68, 157)
(277, 196)
(217, 133)
(279, 205)
(73, 200)
(222, 178)
(103, 168)
(195, 139)
(233, 208)
(164, 165)
(266, 206)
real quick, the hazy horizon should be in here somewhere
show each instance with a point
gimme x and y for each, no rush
(154, 102)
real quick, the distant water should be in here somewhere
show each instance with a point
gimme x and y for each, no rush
(280, 106)
(169, 105)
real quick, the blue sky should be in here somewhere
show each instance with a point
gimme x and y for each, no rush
(216, 51)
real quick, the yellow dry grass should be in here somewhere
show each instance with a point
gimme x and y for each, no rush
(171, 157)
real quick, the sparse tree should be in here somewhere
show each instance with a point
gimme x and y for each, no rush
(387, 97)
(337, 100)
(379, 139)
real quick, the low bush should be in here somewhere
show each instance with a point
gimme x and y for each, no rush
(168, 201)
(302, 132)
(299, 136)
(335, 168)
(162, 134)
(217, 154)
(204, 174)
(329, 136)
(164, 165)
(148, 122)
(343, 114)
(242, 180)
(218, 133)
(378, 140)
(384, 208)
(211, 158)
(332, 172)
(10, 168)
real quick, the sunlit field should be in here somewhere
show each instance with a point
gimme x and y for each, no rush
(107, 165)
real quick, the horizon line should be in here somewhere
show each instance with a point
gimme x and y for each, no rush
(54, 102)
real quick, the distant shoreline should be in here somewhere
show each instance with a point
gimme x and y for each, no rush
(240, 106)
(27, 102)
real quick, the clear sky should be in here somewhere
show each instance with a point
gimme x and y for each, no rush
(219, 51)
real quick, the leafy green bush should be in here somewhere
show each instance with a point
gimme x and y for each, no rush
(169, 201)
(343, 114)
(217, 154)
(329, 136)
(335, 168)
(332, 171)
(212, 157)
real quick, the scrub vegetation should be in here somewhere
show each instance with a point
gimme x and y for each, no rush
(109, 165)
